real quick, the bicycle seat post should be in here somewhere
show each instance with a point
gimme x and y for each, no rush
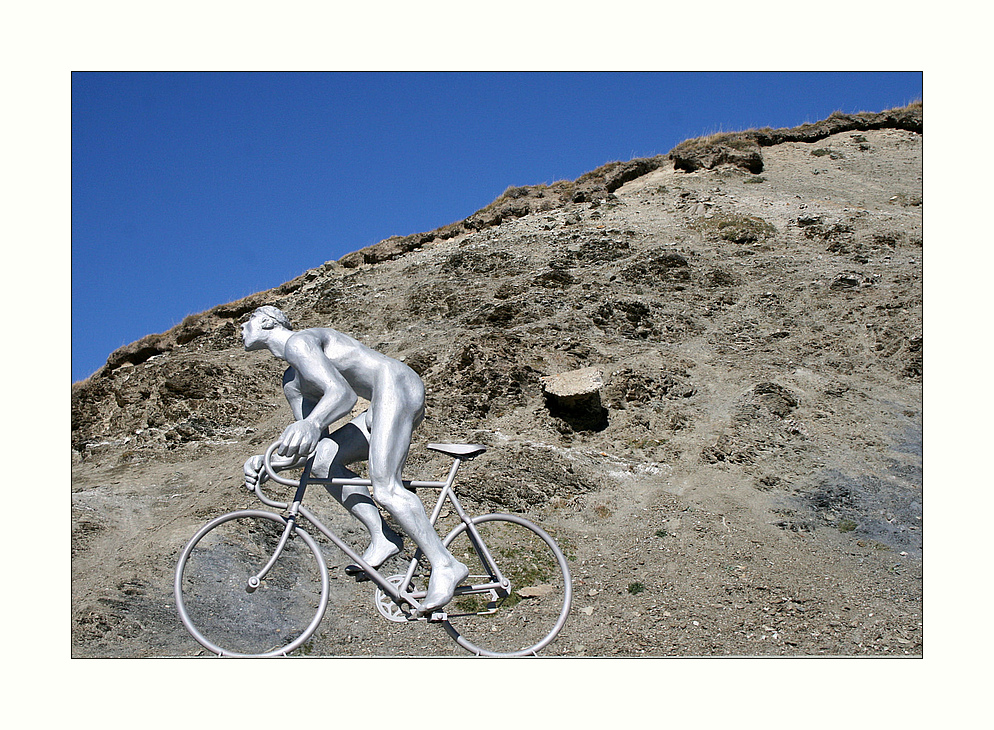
(453, 470)
(459, 454)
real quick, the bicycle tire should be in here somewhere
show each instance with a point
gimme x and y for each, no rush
(211, 586)
(528, 619)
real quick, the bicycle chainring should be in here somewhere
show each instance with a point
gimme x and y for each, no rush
(387, 607)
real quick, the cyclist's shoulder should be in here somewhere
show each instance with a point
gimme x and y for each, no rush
(325, 344)
(305, 341)
(321, 336)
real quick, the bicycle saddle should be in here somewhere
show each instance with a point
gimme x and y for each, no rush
(458, 451)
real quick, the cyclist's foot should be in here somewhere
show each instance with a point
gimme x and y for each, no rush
(382, 548)
(442, 585)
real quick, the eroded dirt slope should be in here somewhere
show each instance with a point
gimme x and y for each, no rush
(754, 488)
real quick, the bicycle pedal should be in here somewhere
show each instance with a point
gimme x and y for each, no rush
(438, 616)
(356, 572)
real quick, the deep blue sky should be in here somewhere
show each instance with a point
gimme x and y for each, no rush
(190, 190)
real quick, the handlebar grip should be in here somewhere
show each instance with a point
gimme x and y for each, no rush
(268, 466)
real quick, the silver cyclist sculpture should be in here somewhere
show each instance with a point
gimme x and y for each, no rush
(328, 373)
(255, 583)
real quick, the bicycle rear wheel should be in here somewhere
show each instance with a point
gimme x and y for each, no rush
(536, 608)
(221, 609)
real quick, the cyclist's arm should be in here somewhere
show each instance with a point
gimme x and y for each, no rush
(308, 359)
(254, 471)
(291, 389)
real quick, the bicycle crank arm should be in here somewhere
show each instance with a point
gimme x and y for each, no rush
(434, 618)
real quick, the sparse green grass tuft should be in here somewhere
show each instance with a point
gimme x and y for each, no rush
(635, 587)
(737, 228)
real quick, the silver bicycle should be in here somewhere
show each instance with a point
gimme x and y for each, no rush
(255, 583)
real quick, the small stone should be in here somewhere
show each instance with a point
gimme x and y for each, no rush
(535, 591)
(589, 610)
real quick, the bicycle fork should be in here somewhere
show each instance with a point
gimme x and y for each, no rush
(291, 522)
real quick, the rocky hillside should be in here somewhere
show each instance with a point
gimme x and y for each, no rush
(747, 478)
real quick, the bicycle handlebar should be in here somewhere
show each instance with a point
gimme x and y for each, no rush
(267, 464)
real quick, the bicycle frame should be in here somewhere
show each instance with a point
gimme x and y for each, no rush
(295, 508)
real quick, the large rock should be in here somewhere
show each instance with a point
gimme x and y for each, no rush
(708, 153)
(575, 398)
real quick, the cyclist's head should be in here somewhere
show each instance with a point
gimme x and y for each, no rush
(272, 317)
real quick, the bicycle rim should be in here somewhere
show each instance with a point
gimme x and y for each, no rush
(212, 580)
(526, 620)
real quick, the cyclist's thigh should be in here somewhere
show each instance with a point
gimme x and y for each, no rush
(350, 443)
(390, 440)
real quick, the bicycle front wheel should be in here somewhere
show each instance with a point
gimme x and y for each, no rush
(533, 611)
(231, 614)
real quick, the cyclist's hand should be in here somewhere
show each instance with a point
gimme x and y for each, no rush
(299, 439)
(253, 472)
